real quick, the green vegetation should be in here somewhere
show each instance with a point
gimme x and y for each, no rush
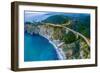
(73, 47)
(68, 38)
(28, 23)
(55, 19)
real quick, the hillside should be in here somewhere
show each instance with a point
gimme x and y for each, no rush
(69, 32)
(57, 19)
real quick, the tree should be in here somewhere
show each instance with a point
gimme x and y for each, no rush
(69, 38)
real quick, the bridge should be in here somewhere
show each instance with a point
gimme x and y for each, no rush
(73, 31)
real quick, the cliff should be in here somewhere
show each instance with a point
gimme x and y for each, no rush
(67, 42)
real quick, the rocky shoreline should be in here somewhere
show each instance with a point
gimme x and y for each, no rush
(55, 35)
(41, 31)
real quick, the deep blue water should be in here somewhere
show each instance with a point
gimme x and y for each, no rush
(38, 48)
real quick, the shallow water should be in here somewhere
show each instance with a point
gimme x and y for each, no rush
(38, 48)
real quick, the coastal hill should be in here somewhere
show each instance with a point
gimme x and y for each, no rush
(57, 19)
(70, 34)
(79, 23)
(64, 39)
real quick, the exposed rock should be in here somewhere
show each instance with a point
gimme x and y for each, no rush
(71, 47)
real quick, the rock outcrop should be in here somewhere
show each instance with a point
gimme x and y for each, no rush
(67, 47)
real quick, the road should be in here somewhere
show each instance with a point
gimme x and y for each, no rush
(75, 32)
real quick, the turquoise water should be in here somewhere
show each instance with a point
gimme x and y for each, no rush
(38, 48)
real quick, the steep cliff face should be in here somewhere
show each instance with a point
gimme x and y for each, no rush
(68, 42)
(70, 32)
(46, 29)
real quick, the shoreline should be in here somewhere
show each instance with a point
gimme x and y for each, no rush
(59, 51)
